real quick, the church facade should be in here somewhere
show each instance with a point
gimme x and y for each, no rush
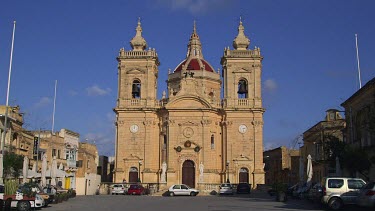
(191, 135)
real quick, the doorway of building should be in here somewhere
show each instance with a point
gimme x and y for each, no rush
(244, 175)
(188, 173)
(133, 175)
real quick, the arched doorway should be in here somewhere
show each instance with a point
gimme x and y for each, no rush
(133, 175)
(244, 175)
(188, 173)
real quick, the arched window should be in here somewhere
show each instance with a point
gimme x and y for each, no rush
(212, 142)
(242, 90)
(136, 89)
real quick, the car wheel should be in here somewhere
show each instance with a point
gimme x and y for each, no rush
(23, 206)
(171, 194)
(335, 203)
(193, 194)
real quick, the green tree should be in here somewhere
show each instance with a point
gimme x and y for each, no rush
(13, 164)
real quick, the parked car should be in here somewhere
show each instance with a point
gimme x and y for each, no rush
(301, 191)
(338, 191)
(35, 187)
(182, 189)
(226, 188)
(315, 193)
(243, 188)
(118, 189)
(366, 196)
(136, 190)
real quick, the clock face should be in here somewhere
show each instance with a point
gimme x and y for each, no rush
(242, 128)
(134, 128)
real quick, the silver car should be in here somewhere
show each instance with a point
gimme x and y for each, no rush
(226, 188)
(182, 189)
(366, 197)
(338, 191)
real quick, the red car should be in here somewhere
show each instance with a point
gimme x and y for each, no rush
(136, 190)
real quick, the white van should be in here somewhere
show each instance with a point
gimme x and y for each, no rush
(338, 191)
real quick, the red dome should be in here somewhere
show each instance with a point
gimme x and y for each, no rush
(194, 65)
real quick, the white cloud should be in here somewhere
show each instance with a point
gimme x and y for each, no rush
(44, 101)
(270, 85)
(97, 91)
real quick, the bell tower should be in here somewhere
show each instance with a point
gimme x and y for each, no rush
(242, 103)
(136, 111)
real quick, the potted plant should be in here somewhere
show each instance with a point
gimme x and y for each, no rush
(280, 189)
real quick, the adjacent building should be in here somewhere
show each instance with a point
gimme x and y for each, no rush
(87, 179)
(191, 135)
(360, 121)
(281, 166)
(314, 143)
(16, 139)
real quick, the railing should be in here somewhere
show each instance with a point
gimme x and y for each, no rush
(209, 187)
(238, 103)
(130, 54)
(244, 53)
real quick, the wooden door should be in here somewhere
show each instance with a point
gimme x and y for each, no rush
(244, 175)
(188, 173)
(133, 175)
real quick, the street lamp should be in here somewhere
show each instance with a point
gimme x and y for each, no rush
(139, 170)
(227, 168)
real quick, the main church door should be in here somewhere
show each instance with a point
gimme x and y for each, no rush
(188, 173)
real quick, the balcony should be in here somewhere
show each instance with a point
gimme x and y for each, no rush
(71, 163)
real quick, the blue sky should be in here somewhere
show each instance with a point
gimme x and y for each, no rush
(308, 46)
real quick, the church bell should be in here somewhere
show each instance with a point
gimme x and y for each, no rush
(242, 88)
(135, 90)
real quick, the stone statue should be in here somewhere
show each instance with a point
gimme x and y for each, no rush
(164, 95)
(163, 171)
(201, 167)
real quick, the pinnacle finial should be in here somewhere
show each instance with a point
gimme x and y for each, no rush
(138, 42)
(194, 46)
(241, 42)
(194, 28)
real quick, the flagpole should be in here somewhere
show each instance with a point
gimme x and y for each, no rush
(6, 108)
(359, 69)
(54, 107)
(53, 120)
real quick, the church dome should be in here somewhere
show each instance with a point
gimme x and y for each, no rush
(194, 64)
(194, 59)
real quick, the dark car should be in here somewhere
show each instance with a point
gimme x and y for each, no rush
(136, 190)
(315, 193)
(243, 188)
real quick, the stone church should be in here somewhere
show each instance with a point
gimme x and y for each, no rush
(194, 134)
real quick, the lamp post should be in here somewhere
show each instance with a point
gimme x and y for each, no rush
(139, 171)
(227, 168)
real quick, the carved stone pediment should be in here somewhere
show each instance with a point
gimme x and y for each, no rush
(132, 157)
(136, 71)
(242, 158)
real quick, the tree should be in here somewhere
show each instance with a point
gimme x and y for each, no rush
(351, 158)
(13, 164)
(357, 160)
(333, 148)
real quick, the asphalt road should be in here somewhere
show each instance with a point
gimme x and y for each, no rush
(253, 201)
